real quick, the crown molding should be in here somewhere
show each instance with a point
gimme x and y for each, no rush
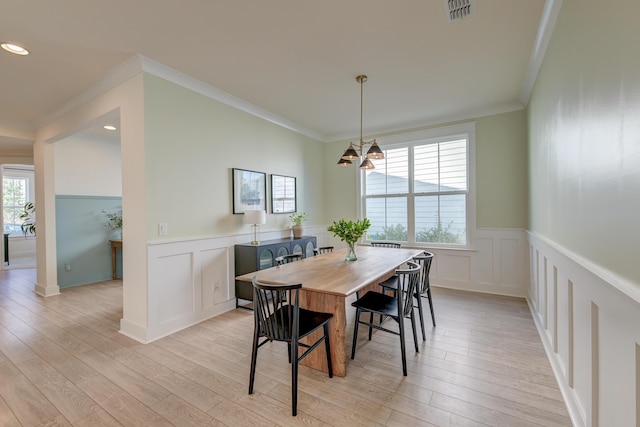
(138, 64)
(115, 77)
(411, 126)
(159, 70)
(545, 30)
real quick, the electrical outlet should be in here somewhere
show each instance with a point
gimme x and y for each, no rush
(67, 267)
(163, 229)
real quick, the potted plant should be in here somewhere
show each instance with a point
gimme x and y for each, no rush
(350, 232)
(28, 217)
(296, 223)
(114, 221)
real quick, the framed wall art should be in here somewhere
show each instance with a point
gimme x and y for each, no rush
(283, 194)
(249, 190)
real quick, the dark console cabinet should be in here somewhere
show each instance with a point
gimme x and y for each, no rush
(250, 258)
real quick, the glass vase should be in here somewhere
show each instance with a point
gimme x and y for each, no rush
(351, 252)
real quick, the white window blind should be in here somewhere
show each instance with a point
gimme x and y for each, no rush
(418, 193)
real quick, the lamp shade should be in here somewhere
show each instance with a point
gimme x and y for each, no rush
(375, 152)
(351, 153)
(255, 217)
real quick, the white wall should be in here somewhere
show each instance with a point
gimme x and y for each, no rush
(88, 167)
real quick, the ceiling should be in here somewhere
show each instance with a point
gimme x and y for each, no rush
(296, 59)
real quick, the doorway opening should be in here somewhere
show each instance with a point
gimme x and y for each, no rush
(18, 190)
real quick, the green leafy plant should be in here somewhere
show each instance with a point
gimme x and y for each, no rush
(350, 231)
(435, 234)
(298, 218)
(439, 234)
(393, 233)
(114, 219)
(28, 217)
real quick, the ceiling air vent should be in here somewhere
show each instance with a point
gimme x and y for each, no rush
(459, 9)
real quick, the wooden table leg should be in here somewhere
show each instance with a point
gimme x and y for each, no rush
(334, 304)
(113, 261)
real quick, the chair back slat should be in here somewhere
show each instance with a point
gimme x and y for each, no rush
(385, 244)
(424, 260)
(275, 309)
(284, 259)
(407, 284)
(322, 250)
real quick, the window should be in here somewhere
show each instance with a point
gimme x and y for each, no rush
(419, 193)
(17, 189)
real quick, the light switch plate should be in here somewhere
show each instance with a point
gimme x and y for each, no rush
(163, 229)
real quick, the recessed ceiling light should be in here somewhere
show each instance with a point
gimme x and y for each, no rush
(14, 48)
(109, 127)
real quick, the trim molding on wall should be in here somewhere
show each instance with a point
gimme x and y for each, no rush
(588, 326)
(497, 264)
(192, 280)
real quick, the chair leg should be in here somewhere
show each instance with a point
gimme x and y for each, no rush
(370, 323)
(294, 378)
(254, 357)
(415, 335)
(355, 334)
(402, 349)
(328, 349)
(419, 298)
(433, 316)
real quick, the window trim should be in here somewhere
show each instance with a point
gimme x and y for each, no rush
(468, 130)
(21, 172)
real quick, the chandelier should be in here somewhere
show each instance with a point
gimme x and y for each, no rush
(354, 152)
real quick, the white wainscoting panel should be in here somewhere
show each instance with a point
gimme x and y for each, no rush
(189, 281)
(193, 280)
(589, 323)
(496, 263)
(215, 289)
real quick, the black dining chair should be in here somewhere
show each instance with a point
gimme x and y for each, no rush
(278, 317)
(422, 291)
(284, 259)
(397, 307)
(322, 250)
(385, 244)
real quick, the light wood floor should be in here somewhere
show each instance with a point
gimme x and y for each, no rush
(63, 362)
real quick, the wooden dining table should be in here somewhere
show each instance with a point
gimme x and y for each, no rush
(327, 280)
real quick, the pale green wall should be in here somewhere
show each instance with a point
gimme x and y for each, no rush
(340, 184)
(193, 141)
(584, 119)
(501, 173)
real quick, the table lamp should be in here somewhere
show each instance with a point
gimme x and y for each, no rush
(255, 218)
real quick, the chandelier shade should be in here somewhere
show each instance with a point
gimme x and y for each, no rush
(367, 164)
(351, 153)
